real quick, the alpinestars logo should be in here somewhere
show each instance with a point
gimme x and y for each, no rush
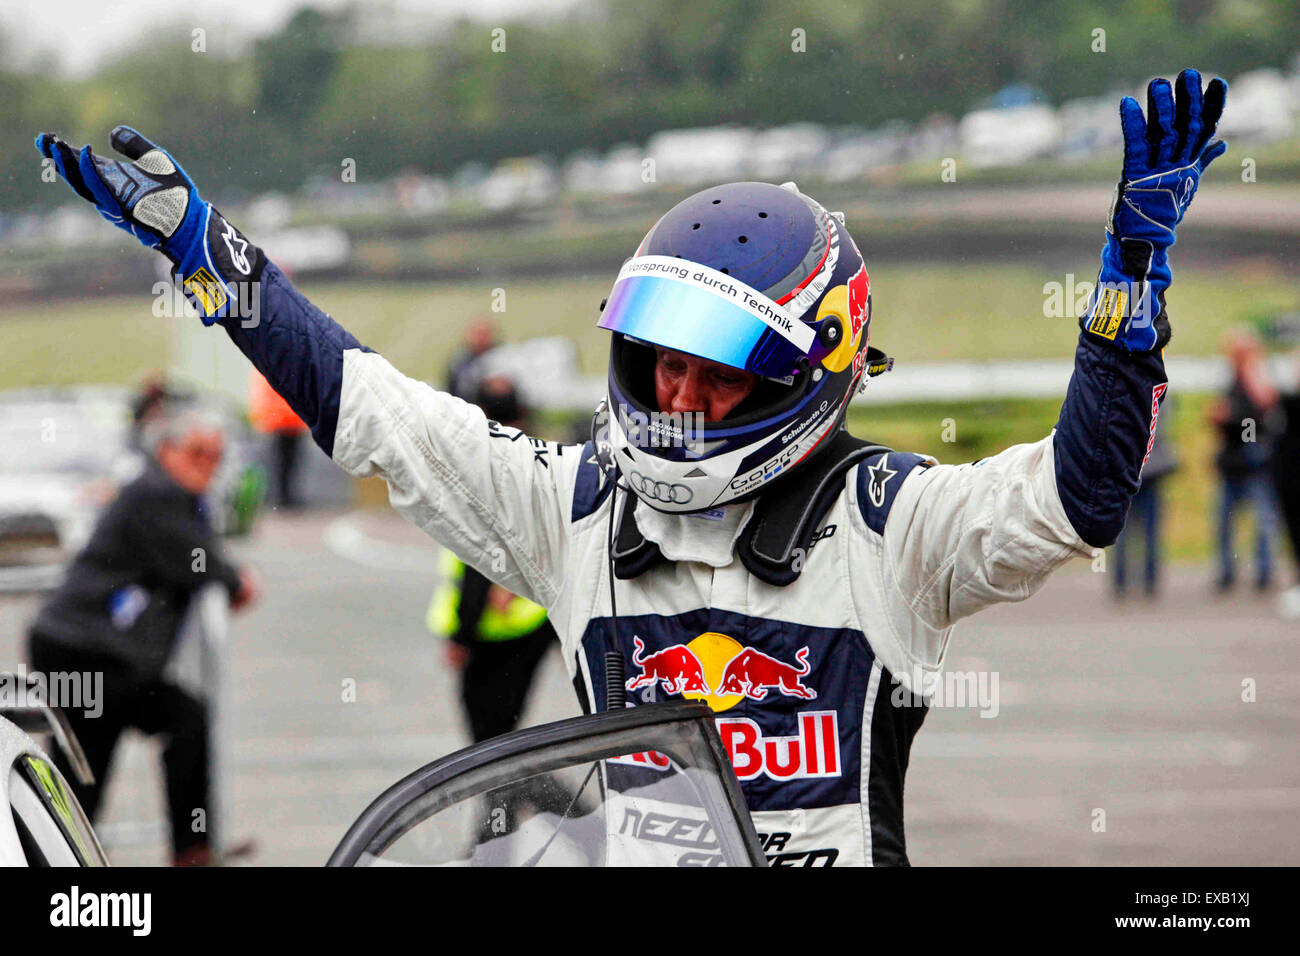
(878, 476)
(238, 247)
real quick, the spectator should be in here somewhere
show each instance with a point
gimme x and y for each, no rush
(151, 402)
(119, 610)
(462, 378)
(1286, 480)
(1248, 419)
(1148, 509)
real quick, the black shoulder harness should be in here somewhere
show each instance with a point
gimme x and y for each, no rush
(780, 530)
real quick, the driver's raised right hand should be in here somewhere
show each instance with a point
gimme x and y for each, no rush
(150, 196)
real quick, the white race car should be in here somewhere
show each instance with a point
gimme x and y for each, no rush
(41, 822)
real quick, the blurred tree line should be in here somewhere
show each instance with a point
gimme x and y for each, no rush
(609, 71)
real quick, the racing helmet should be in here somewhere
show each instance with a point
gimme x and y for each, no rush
(757, 277)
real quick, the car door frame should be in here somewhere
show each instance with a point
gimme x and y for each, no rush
(366, 828)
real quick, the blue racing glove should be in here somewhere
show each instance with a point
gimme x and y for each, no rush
(152, 198)
(1165, 154)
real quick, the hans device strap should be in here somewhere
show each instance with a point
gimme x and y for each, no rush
(785, 517)
(632, 553)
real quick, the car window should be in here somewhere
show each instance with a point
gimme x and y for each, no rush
(651, 786)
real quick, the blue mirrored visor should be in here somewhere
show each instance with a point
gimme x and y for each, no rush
(692, 308)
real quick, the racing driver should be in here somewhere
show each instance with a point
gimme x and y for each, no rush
(722, 532)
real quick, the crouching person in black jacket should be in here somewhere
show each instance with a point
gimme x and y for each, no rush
(119, 611)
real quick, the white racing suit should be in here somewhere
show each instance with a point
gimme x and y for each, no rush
(801, 677)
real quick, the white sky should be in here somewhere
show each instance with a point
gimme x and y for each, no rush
(80, 33)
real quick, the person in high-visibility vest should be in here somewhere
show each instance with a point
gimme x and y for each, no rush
(496, 639)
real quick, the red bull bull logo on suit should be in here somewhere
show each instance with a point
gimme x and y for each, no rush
(676, 669)
(722, 672)
(752, 673)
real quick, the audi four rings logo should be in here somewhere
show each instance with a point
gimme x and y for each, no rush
(661, 490)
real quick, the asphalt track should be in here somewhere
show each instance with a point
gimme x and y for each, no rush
(1135, 710)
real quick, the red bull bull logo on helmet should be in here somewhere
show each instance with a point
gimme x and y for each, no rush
(859, 289)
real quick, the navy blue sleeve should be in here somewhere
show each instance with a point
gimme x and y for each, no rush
(590, 489)
(1104, 435)
(879, 478)
(300, 351)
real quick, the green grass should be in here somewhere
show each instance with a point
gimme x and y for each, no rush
(981, 429)
(955, 432)
(115, 340)
(418, 326)
(922, 313)
(932, 313)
